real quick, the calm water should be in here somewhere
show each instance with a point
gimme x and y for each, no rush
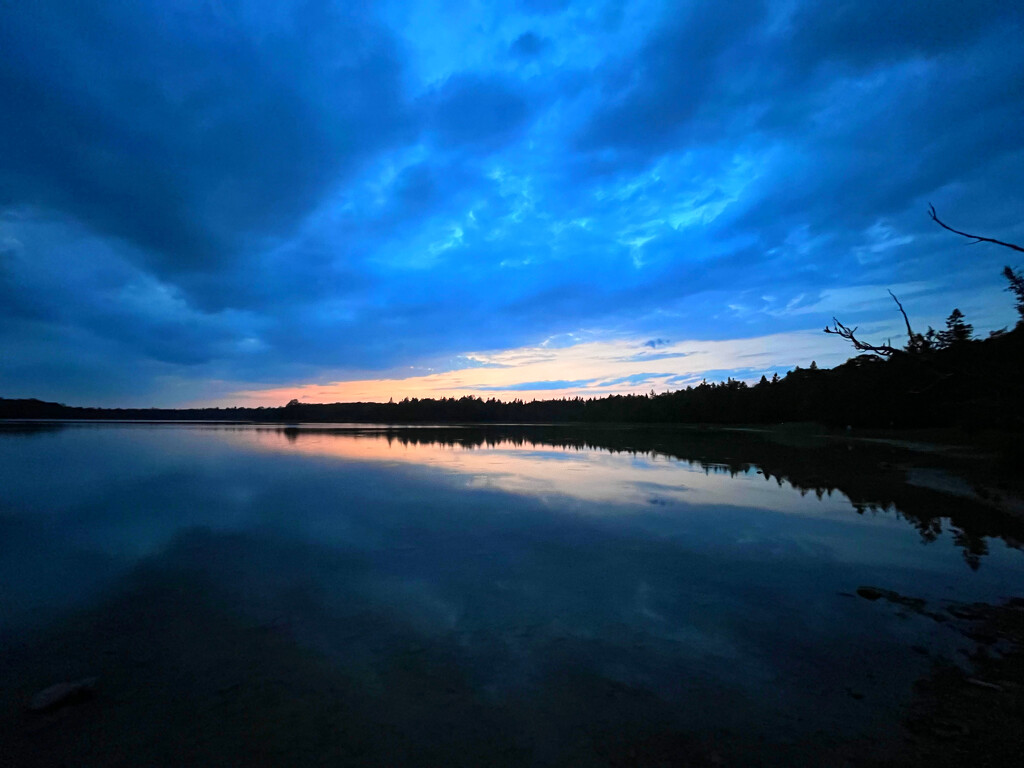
(442, 596)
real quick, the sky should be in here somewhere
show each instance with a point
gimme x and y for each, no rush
(228, 202)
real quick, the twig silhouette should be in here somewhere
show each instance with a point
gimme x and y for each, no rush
(975, 238)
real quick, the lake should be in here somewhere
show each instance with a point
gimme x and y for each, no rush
(368, 595)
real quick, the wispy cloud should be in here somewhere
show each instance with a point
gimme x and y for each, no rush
(641, 356)
(590, 369)
(539, 386)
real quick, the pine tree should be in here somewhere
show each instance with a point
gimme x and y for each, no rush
(1016, 287)
(957, 331)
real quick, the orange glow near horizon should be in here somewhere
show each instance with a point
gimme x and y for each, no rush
(587, 369)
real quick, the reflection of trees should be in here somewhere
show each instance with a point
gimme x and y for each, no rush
(28, 429)
(872, 476)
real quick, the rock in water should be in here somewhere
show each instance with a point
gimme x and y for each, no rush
(63, 693)
(870, 593)
(874, 593)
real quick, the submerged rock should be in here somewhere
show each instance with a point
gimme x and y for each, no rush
(876, 593)
(870, 593)
(972, 716)
(63, 693)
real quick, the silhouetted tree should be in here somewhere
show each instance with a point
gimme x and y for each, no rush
(930, 340)
(1016, 287)
(957, 331)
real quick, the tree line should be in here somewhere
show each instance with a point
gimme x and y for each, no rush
(967, 382)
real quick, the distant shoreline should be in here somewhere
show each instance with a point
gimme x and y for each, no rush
(921, 440)
(972, 386)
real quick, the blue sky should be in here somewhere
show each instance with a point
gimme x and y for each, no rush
(242, 202)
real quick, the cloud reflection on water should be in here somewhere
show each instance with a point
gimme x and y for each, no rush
(534, 469)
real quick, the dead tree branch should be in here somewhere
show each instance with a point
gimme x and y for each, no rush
(844, 332)
(910, 331)
(885, 350)
(975, 238)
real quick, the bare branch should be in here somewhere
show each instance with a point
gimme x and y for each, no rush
(885, 350)
(910, 331)
(847, 333)
(975, 238)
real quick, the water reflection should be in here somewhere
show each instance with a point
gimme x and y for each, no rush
(584, 473)
(664, 466)
(467, 596)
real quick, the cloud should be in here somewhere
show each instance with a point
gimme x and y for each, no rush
(690, 62)
(240, 197)
(633, 380)
(866, 33)
(470, 110)
(655, 356)
(189, 132)
(528, 45)
(533, 386)
(543, 6)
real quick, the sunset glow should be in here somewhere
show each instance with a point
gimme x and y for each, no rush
(588, 369)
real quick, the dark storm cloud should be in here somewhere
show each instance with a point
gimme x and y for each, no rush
(648, 99)
(189, 129)
(889, 143)
(105, 297)
(476, 112)
(543, 6)
(528, 45)
(864, 33)
(740, 71)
